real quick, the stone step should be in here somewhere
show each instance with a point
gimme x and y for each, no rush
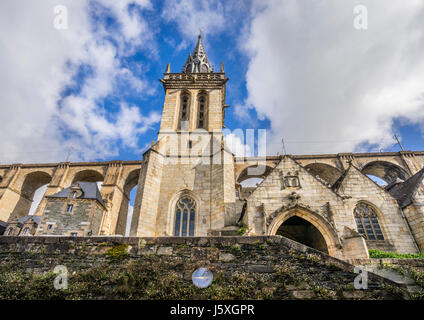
(395, 276)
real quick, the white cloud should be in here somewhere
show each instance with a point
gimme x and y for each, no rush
(235, 142)
(39, 61)
(192, 15)
(319, 80)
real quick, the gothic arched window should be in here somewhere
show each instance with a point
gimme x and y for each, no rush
(367, 222)
(185, 216)
(184, 110)
(202, 109)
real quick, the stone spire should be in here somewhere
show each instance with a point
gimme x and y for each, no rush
(198, 62)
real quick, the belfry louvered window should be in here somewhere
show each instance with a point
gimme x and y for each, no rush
(201, 114)
(185, 110)
(185, 216)
(367, 222)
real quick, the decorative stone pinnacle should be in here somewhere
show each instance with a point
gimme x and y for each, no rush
(198, 62)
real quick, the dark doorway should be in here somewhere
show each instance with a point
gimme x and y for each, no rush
(302, 231)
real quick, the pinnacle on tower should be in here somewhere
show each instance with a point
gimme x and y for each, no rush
(198, 62)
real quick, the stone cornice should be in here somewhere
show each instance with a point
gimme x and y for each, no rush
(193, 80)
(334, 155)
(75, 164)
(237, 159)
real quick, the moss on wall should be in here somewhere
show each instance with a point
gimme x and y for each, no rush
(161, 268)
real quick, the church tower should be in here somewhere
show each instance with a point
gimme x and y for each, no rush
(194, 98)
(186, 185)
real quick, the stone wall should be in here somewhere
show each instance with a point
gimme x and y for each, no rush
(415, 216)
(195, 181)
(148, 193)
(271, 204)
(270, 267)
(358, 187)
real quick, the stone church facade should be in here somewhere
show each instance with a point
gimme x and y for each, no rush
(190, 184)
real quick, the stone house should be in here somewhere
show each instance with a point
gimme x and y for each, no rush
(25, 226)
(75, 211)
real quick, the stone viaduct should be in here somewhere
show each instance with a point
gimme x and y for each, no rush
(18, 182)
(387, 166)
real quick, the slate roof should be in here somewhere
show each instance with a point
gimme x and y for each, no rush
(404, 192)
(89, 191)
(22, 220)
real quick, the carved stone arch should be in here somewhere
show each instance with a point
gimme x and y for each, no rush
(324, 171)
(253, 171)
(324, 227)
(385, 170)
(31, 182)
(171, 210)
(130, 182)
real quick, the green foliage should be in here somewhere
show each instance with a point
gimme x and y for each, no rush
(242, 230)
(287, 274)
(141, 280)
(398, 269)
(334, 267)
(321, 292)
(418, 295)
(348, 287)
(16, 285)
(262, 246)
(236, 247)
(313, 258)
(377, 254)
(417, 276)
(141, 244)
(112, 273)
(118, 252)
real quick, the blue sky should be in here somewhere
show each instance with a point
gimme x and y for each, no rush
(296, 68)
